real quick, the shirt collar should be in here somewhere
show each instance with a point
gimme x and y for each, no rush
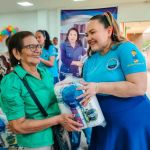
(68, 44)
(21, 72)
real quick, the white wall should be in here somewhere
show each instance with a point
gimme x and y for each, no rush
(24, 21)
(134, 12)
(50, 19)
(54, 23)
(43, 19)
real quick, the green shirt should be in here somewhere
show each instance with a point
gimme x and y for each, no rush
(17, 103)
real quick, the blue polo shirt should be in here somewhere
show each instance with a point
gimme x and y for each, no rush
(46, 54)
(121, 60)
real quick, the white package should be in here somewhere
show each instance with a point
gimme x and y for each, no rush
(66, 93)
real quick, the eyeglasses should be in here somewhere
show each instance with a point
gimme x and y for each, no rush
(33, 47)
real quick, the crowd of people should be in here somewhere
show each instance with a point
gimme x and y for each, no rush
(115, 71)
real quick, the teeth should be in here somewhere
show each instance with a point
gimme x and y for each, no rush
(92, 42)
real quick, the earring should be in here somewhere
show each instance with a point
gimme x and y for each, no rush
(19, 61)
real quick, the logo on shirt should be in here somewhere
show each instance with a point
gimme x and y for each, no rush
(112, 64)
(134, 56)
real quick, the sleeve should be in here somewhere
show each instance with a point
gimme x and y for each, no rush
(67, 61)
(84, 70)
(11, 99)
(52, 51)
(131, 59)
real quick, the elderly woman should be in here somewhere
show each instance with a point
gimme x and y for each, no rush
(25, 119)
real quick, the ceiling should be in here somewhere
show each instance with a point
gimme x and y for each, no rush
(10, 6)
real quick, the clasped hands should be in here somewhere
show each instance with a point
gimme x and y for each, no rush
(91, 89)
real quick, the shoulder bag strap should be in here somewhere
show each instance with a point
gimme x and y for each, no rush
(34, 97)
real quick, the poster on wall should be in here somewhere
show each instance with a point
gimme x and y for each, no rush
(78, 19)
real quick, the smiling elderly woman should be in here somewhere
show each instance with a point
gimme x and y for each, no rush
(25, 119)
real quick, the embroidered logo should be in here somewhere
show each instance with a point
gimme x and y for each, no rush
(112, 64)
(134, 56)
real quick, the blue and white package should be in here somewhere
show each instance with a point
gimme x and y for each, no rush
(66, 93)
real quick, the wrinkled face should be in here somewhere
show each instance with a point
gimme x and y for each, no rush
(72, 37)
(31, 52)
(97, 35)
(40, 38)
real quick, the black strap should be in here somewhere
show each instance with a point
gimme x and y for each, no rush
(43, 111)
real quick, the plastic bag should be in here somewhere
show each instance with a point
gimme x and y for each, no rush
(7, 138)
(66, 93)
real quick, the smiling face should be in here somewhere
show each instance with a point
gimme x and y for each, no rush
(40, 38)
(72, 36)
(98, 37)
(27, 56)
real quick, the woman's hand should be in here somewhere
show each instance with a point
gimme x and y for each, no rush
(90, 88)
(79, 63)
(9, 128)
(66, 120)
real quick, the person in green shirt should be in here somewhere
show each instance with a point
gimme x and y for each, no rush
(25, 119)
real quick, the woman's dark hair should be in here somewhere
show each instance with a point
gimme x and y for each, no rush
(107, 20)
(78, 37)
(16, 42)
(47, 38)
(7, 40)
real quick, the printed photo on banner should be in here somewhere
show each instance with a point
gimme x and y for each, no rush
(78, 20)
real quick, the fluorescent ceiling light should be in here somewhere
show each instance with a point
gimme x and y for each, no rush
(78, 0)
(25, 4)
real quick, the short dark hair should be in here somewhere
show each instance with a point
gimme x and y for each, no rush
(16, 42)
(7, 40)
(55, 38)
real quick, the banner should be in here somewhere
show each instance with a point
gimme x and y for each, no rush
(79, 18)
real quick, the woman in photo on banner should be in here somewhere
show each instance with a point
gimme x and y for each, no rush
(71, 54)
(116, 73)
(33, 129)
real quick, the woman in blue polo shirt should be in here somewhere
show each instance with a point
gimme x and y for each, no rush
(49, 53)
(33, 129)
(116, 72)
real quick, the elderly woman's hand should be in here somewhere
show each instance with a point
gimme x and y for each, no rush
(66, 120)
(9, 128)
(90, 88)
